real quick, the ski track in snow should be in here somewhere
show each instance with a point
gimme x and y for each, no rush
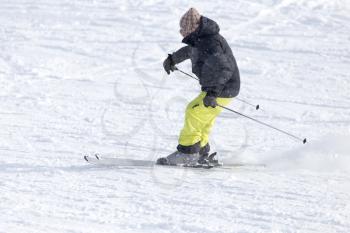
(81, 77)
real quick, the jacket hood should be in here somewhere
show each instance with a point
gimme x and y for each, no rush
(206, 27)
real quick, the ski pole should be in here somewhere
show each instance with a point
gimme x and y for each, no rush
(243, 101)
(246, 102)
(260, 122)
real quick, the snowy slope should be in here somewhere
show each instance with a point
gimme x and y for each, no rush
(81, 77)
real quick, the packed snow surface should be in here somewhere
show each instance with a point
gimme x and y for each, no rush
(82, 77)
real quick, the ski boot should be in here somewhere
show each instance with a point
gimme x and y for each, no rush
(178, 158)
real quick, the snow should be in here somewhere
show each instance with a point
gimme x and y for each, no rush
(79, 77)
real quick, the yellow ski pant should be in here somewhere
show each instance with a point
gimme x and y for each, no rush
(199, 121)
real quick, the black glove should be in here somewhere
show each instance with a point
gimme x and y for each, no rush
(209, 101)
(169, 64)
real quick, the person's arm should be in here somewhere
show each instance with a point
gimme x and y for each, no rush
(177, 57)
(181, 55)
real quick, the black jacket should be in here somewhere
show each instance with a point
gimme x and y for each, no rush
(212, 60)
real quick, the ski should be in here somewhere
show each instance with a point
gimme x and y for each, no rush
(120, 162)
(97, 160)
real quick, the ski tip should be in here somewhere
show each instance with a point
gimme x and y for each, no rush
(86, 158)
(97, 157)
(257, 107)
(304, 141)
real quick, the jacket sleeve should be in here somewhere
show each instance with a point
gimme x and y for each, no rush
(181, 55)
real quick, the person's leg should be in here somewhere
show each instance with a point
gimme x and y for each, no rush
(189, 140)
(198, 123)
(190, 136)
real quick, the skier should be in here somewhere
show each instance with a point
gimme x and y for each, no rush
(215, 66)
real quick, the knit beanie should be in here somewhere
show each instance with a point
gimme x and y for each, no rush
(189, 22)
